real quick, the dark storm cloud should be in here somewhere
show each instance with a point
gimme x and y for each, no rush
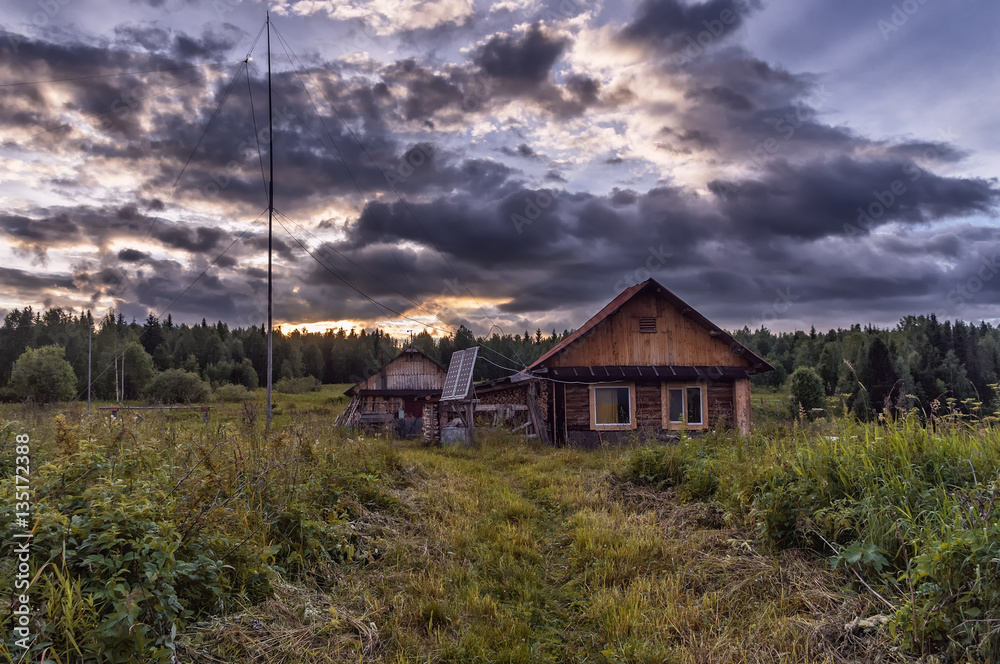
(673, 25)
(28, 284)
(722, 96)
(527, 59)
(132, 256)
(829, 197)
(215, 44)
(104, 99)
(427, 92)
(149, 37)
(199, 239)
(60, 228)
(522, 150)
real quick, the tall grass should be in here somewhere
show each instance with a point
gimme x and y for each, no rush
(147, 525)
(908, 506)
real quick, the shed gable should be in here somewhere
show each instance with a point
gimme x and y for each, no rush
(410, 370)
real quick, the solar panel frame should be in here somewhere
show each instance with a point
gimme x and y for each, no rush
(458, 382)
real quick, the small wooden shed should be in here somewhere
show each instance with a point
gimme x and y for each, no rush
(646, 363)
(395, 394)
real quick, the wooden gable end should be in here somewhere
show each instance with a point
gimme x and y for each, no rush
(409, 371)
(627, 337)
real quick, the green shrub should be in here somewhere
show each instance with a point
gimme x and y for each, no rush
(127, 569)
(145, 529)
(955, 603)
(297, 385)
(807, 390)
(700, 480)
(44, 375)
(176, 386)
(231, 393)
(662, 465)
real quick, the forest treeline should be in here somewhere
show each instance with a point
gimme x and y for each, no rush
(918, 361)
(220, 355)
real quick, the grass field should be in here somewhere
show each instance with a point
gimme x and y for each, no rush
(510, 553)
(162, 537)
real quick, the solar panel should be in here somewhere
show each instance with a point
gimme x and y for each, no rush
(459, 379)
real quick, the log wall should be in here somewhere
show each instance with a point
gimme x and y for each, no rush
(649, 405)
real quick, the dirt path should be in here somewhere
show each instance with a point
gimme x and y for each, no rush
(521, 555)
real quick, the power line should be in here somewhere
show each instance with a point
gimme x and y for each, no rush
(327, 245)
(256, 134)
(205, 130)
(415, 303)
(153, 221)
(338, 155)
(182, 294)
(342, 159)
(350, 285)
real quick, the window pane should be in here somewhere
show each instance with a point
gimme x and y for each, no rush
(613, 405)
(676, 405)
(694, 405)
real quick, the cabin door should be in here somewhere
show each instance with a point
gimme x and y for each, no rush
(413, 408)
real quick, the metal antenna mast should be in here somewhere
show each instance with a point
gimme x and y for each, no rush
(270, 215)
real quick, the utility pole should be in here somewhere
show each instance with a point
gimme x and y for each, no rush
(90, 355)
(270, 215)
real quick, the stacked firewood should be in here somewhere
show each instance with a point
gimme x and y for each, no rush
(512, 395)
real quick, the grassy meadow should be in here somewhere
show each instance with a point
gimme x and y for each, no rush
(158, 538)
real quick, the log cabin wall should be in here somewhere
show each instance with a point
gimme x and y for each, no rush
(720, 404)
(648, 415)
(677, 341)
(647, 404)
(381, 404)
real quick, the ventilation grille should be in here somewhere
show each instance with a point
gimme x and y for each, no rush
(647, 324)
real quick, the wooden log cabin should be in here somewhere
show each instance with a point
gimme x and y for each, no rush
(394, 396)
(647, 364)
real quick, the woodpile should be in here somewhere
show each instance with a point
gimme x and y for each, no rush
(432, 428)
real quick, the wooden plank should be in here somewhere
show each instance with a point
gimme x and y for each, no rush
(741, 399)
(535, 412)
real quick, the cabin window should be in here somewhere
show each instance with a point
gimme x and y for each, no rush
(612, 406)
(647, 325)
(684, 405)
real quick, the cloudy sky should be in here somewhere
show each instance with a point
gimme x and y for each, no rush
(514, 163)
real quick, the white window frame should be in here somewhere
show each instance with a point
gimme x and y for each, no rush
(665, 405)
(593, 407)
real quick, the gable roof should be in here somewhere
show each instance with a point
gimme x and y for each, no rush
(759, 364)
(411, 350)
